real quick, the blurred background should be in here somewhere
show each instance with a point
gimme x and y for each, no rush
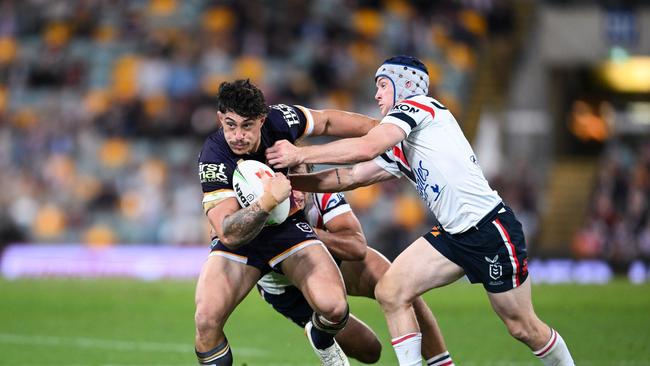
(104, 106)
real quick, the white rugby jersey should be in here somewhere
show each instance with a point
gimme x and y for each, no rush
(439, 161)
(320, 209)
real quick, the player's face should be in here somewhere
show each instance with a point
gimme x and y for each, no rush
(242, 134)
(384, 95)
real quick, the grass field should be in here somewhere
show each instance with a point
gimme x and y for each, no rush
(121, 322)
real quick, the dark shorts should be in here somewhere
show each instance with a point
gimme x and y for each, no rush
(272, 245)
(492, 253)
(291, 303)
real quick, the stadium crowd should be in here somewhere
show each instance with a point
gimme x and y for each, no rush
(617, 226)
(104, 104)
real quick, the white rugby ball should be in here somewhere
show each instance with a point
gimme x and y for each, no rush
(247, 183)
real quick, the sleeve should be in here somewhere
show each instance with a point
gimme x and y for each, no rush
(293, 122)
(215, 174)
(331, 205)
(408, 114)
(387, 162)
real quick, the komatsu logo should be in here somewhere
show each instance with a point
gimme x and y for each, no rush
(405, 108)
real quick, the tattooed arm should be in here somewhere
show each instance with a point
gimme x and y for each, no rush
(237, 226)
(243, 225)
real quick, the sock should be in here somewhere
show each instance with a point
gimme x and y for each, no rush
(323, 330)
(321, 339)
(407, 348)
(443, 359)
(555, 352)
(220, 355)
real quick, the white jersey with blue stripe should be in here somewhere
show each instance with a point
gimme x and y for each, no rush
(438, 160)
(319, 210)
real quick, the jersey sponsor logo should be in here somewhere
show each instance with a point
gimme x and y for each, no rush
(495, 269)
(212, 173)
(405, 108)
(304, 227)
(423, 187)
(289, 114)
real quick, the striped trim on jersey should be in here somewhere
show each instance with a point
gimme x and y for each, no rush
(399, 159)
(512, 253)
(309, 126)
(284, 255)
(329, 206)
(218, 195)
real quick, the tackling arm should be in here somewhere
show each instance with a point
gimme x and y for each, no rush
(340, 179)
(331, 122)
(352, 150)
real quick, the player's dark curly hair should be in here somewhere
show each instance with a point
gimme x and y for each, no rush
(242, 97)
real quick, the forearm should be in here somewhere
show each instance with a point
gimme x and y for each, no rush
(345, 246)
(346, 151)
(330, 180)
(244, 225)
(346, 124)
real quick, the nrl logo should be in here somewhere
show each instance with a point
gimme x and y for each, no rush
(495, 268)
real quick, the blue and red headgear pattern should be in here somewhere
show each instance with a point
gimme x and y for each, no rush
(408, 74)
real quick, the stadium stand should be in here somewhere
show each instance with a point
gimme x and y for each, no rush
(105, 103)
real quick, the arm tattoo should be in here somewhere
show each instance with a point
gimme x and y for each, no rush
(338, 179)
(244, 225)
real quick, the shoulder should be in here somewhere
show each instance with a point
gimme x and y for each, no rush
(283, 116)
(215, 147)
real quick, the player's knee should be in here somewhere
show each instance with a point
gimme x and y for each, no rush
(519, 331)
(207, 323)
(334, 309)
(389, 294)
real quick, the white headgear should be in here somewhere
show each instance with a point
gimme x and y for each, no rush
(401, 70)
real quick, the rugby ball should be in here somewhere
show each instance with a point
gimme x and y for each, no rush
(247, 183)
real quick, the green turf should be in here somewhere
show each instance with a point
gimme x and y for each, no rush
(109, 322)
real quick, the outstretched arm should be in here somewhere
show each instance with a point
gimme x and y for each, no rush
(340, 179)
(332, 122)
(284, 154)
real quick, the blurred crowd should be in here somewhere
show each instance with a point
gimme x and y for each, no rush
(104, 104)
(617, 226)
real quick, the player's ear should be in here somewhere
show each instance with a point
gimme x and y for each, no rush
(219, 118)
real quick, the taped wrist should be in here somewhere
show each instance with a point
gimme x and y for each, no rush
(268, 202)
(328, 326)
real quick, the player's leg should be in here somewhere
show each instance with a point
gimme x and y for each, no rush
(222, 285)
(418, 268)
(357, 340)
(510, 292)
(515, 308)
(316, 275)
(361, 277)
